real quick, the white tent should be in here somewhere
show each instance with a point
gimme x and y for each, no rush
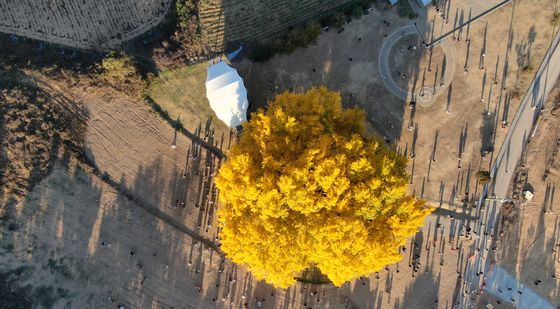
(227, 94)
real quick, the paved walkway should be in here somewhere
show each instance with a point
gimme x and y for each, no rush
(422, 96)
(498, 281)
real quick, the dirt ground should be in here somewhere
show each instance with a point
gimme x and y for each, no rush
(77, 243)
(409, 51)
(449, 15)
(122, 235)
(532, 238)
(135, 226)
(446, 139)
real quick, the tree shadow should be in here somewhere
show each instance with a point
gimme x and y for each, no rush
(487, 133)
(38, 128)
(423, 288)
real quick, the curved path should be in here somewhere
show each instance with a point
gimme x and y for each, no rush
(385, 52)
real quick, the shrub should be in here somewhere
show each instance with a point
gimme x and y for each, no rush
(187, 15)
(299, 37)
(528, 68)
(483, 177)
(302, 37)
(516, 93)
(339, 20)
(118, 68)
(555, 18)
(188, 40)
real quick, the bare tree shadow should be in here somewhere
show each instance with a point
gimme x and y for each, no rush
(487, 133)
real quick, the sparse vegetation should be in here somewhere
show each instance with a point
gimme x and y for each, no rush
(299, 37)
(58, 267)
(166, 95)
(121, 71)
(307, 35)
(555, 18)
(188, 39)
(339, 20)
(516, 92)
(36, 130)
(483, 177)
(528, 68)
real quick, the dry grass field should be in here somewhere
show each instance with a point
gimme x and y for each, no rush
(182, 94)
(36, 129)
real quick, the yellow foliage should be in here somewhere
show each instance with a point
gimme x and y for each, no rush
(305, 186)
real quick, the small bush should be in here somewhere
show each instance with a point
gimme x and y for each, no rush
(119, 68)
(299, 37)
(483, 177)
(327, 19)
(516, 93)
(58, 267)
(187, 15)
(261, 52)
(528, 68)
(121, 71)
(339, 20)
(555, 18)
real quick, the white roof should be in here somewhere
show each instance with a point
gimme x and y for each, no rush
(227, 94)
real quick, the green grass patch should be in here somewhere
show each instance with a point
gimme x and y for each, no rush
(181, 94)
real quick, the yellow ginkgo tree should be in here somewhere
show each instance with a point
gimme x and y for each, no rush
(305, 186)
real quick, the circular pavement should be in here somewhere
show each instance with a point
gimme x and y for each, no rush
(427, 95)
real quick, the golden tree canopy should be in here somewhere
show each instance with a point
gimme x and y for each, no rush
(305, 186)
